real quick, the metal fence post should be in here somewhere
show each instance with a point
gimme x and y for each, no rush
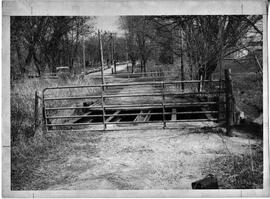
(45, 122)
(163, 106)
(36, 110)
(103, 108)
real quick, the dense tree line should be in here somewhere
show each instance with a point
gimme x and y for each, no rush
(46, 42)
(42, 43)
(199, 42)
(202, 41)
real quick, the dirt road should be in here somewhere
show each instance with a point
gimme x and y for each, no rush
(151, 158)
(148, 158)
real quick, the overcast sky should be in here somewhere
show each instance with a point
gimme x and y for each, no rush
(108, 23)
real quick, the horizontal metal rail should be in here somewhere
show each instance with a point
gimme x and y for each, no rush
(160, 105)
(93, 123)
(132, 95)
(71, 98)
(67, 87)
(143, 77)
(132, 114)
(166, 113)
(70, 107)
(75, 124)
(157, 83)
(131, 122)
(160, 121)
(130, 84)
(193, 120)
(135, 105)
(73, 116)
(168, 94)
(156, 95)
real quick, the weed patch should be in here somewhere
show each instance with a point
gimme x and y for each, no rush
(28, 146)
(239, 172)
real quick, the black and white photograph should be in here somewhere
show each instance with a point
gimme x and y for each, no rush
(137, 102)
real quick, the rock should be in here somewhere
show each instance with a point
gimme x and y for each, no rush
(239, 116)
(209, 182)
(242, 115)
(259, 120)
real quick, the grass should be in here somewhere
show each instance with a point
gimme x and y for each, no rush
(247, 86)
(26, 156)
(248, 94)
(28, 145)
(239, 171)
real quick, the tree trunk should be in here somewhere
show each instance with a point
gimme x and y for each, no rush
(182, 71)
(141, 66)
(144, 66)
(19, 55)
(37, 63)
(133, 63)
(29, 56)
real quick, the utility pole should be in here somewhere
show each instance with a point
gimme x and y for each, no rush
(112, 44)
(114, 61)
(101, 58)
(127, 53)
(182, 63)
(111, 52)
(84, 57)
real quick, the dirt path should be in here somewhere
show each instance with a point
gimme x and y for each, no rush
(150, 158)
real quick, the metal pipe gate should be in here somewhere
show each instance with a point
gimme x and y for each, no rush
(78, 107)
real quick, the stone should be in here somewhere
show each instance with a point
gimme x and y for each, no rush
(209, 182)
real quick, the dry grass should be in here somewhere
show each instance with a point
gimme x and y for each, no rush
(243, 171)
(248, 93)
(28, 146)
(132, 159)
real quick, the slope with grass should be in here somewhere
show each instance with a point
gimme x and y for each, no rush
(27, 145)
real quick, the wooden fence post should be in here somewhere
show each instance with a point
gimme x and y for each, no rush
(163, 105)
(229, 101)
(36, 110)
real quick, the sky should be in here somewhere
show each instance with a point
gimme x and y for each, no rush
(108, 23)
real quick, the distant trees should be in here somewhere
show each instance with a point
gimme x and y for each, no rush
(129, 26)
(207, 39)
(139, 45)
(202, 40)
(46, 41)
(199, 42)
